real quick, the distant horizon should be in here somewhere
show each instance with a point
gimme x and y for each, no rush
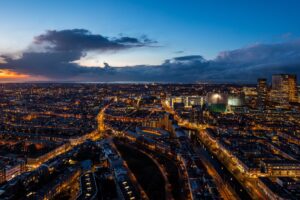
(133, 82)
(269, 81)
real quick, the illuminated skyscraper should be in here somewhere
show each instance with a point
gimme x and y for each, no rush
(293, 93)
(284, 88)
(262, 90)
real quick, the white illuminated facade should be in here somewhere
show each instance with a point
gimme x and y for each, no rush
(235, 100)
(188, 101)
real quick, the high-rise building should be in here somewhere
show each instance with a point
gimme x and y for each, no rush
(298, 93)
(284, 88)
(293, 93)
(262, 89)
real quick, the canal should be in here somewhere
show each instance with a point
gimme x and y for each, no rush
(145, 170)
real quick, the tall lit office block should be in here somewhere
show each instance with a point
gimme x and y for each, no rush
(293, 93)
(262, 89)
(284, 88)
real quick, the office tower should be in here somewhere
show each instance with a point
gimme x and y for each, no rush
(284, 88)
(298, 93)
(262, 90)
(293, 93)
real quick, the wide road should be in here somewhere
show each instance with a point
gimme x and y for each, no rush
(250, 184)
(222, 175)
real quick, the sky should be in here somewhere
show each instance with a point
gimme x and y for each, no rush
(148, 40)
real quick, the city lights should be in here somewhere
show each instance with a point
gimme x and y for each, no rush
(149, 100)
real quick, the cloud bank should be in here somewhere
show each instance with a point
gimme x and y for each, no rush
(53, 53)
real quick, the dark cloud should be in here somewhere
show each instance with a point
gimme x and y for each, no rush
(127, 40)
(190, 58)
(143, 41)
(55, 65)
(52, 55)
(83, 40)
(240, 65)
(261, 60)
(263, 54)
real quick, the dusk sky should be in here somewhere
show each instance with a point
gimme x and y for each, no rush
(148, 40)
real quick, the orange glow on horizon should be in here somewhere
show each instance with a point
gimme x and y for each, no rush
(8, 74)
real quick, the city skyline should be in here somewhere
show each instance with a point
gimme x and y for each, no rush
(149, 100)
(143, 41)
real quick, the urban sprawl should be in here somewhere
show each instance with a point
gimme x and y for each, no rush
(150, 141)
